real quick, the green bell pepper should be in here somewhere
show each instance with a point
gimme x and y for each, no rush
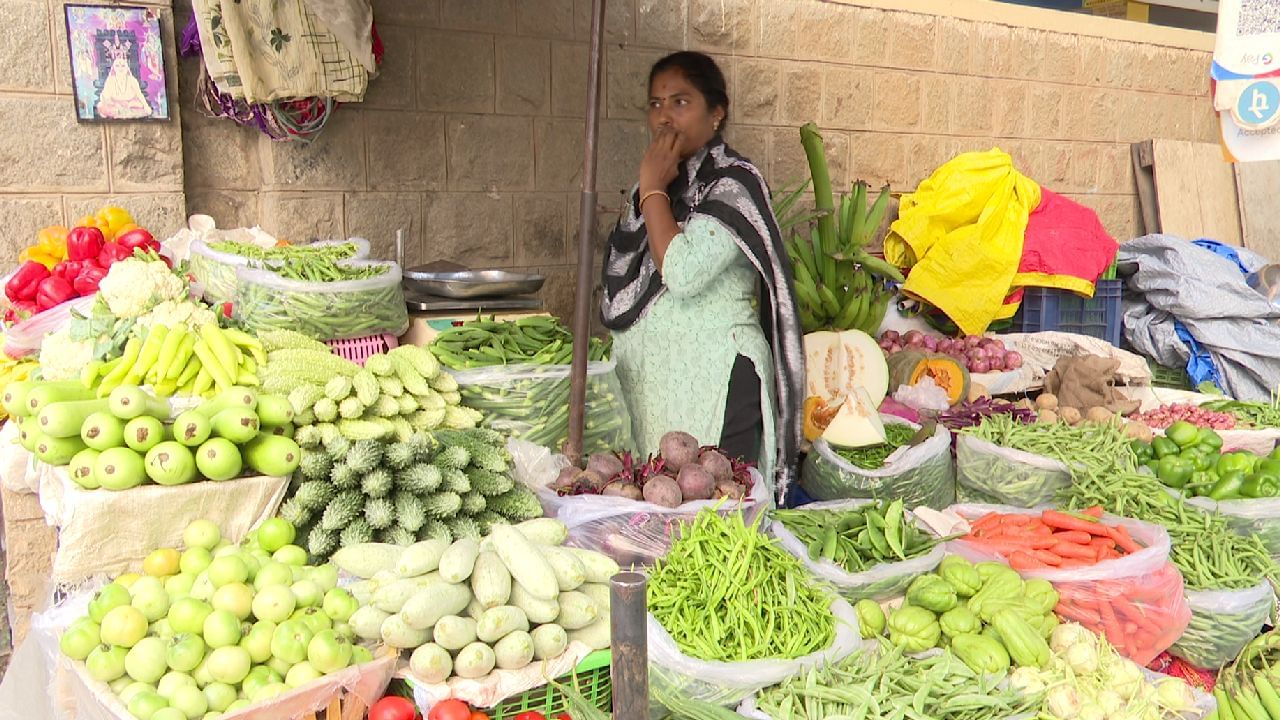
(1183, 433)
(1268, 465)
(1163, 446)
(913, 629)
(1228, 486)
(1153, 465)
(1199, 459)
(1174, 471)
(1200, 483)
(1235, 462)
(1261, 485)
(1142, 450)
(1210, 438)
(1275, 453)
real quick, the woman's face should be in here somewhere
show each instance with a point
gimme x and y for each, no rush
(675, 104)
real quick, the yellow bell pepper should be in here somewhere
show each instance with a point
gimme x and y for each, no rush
(112, 220)
(49, 249)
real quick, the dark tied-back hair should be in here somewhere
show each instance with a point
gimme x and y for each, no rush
(701, 72)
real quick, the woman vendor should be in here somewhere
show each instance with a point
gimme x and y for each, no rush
(697, 285)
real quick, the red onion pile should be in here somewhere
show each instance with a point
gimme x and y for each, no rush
(1166, 415)
(979, 354)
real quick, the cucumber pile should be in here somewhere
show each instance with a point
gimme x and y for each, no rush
(129, 438)
(465, 608)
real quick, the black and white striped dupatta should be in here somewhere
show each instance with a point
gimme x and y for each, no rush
(720, 184)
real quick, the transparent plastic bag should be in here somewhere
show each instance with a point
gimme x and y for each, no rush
(531, 402)
(323, 310)
(1259, 517)
(986, 472)
(1222, 623)
(1137, 602)
(920, 475)
(216, 271)
(730, 683)
(26, 337)
(879, 583)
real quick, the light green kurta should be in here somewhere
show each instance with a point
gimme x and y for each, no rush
(675, 361)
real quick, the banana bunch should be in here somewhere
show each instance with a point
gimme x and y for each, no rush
(179, 361)
(839, 285)
(13, 371)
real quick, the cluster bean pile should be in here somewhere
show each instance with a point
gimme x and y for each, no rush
(314, 263)
(1088, 449)
(727, 593)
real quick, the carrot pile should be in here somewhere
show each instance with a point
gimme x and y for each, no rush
(1140, 616)
(1051, 540)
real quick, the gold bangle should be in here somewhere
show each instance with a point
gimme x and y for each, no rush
(650, 194)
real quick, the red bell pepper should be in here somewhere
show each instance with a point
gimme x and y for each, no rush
(20, 310)
(138, 238)
(113, 252)
(84, 243)
(86, 283)
(68, 269)
(53, 291)
(26, 281)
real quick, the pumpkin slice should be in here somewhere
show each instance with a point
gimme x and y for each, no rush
(911, 366)
(817, 416)
(836, 363)
(857, 424)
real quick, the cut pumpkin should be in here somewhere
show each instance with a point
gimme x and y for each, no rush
(837, 363)
(817, 416)
(856, 424)
(910, 366)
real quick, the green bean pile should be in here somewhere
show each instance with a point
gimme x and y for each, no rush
(1256, 414)
(321, 311)
(872, 457)
(1206, 551)
(1214, 637)
(727, 593)
(889, 685)
(1086, 448)
(333, 252)
(537, 340)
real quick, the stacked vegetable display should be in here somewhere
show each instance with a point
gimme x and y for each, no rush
(467, 607)
(394, 395)
(450, 484)
(129, 438)
(986, 614)
(216, 627)
(859, 538)
(1190, 459)
(681, 472)
(517, 374)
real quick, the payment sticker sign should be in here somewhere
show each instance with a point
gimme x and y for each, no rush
(1258, 106)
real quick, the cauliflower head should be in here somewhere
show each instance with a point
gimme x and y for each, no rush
(172, 313)
(62, 358)
(134, 286)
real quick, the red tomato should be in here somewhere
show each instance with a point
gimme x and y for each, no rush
(450, 710)
(477, 715)
(531, 715)
(393, 708)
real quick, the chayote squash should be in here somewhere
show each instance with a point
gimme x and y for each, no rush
(959, 620)
(961, 574)
(982, 654)
(932, 593)
(988, 570)
(871, 619)
(1048, 624)
(914, 629)
(997, 586)
(1040, 595)
(1026, 645)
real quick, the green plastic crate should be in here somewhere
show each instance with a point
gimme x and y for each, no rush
(1167, 377)
(593, 682)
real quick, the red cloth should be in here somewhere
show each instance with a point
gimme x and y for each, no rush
(1064, 241)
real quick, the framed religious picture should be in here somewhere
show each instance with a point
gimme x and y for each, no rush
(117, 63)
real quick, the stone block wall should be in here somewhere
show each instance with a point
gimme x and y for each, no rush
(471, 139)
(53, 169)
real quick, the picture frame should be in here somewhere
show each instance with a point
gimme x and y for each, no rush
(118, 70)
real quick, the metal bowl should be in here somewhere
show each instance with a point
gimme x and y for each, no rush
(473, 283)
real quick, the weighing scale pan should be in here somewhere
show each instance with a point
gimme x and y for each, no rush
(467, 284)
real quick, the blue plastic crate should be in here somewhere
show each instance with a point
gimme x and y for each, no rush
(1048, 309)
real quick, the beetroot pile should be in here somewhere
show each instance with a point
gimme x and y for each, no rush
(977, 353)
(1166, 415)
(681, 472)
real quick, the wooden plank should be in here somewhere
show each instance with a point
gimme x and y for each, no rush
(1258, 185)
(1196, 191)
(1143, 157)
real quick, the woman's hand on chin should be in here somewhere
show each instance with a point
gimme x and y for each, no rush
(661, 161)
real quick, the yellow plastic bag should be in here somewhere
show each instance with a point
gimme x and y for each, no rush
(961, 234)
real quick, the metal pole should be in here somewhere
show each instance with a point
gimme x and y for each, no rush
(586, 239)
(629, 641)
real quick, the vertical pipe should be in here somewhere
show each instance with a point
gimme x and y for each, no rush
(630, 644)
(586, 239)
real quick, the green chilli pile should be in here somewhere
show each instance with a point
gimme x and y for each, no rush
(727, 593)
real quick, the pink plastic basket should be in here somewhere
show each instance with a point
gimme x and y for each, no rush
(357, 350)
